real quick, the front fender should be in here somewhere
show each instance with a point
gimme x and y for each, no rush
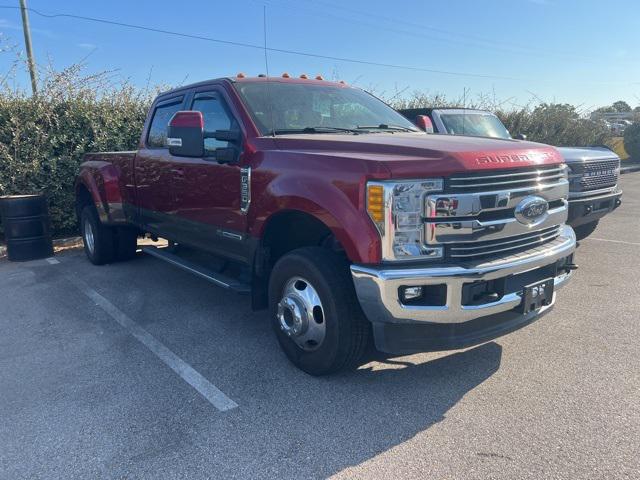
(338, 205)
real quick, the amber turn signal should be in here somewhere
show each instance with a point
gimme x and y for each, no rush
(375, 202)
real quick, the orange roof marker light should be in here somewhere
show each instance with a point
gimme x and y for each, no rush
(240, 75)
(319, 77)
(304, 76)
(286, 75)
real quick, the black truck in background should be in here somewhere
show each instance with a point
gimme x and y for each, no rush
(593, 171)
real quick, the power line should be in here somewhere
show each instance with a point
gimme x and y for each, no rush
(279, 50)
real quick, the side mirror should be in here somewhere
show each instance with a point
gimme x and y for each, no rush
(423, 122)
(520, 136)
(185, 134)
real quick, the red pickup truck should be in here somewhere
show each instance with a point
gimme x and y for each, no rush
(338, 214)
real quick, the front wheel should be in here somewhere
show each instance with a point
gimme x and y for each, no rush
(315, 313)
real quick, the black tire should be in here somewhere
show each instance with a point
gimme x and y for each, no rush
(583, 231)
(126, 243)
(347, 329)
(20, 206)
(103, 248)
(24, 249)
(27, 227)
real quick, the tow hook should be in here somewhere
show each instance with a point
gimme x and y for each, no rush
(570, 266)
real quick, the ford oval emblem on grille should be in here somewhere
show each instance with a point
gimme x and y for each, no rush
(532, 210)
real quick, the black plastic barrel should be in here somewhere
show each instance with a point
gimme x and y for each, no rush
(27, 228)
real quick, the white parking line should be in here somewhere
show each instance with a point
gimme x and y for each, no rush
(612, 241)
(209, 391)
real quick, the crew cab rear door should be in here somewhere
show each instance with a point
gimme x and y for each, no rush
(207, 192)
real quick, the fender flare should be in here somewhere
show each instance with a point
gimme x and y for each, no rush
(100, 179)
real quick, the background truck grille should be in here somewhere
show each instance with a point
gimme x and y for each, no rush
(509, 245)
(506, 179)
(599, 174)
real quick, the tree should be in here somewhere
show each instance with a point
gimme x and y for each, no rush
(621, 106)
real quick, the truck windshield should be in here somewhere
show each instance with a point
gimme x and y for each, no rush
(474, 124)
(284, 108)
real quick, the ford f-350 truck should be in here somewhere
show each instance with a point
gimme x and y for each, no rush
(593, 171)
(338, 215)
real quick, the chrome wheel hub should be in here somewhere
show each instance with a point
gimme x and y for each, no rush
(301, 314)
(89, 240)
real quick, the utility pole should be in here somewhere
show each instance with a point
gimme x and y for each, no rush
(27, 43)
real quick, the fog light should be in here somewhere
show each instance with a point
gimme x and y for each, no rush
(410, 293)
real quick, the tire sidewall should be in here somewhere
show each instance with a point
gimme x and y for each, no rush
(85, 217)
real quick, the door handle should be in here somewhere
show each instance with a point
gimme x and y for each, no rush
(178, 172)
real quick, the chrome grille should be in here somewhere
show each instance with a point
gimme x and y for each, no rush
(513, 244)
(506, 179)
(474, 217)
(598, 174)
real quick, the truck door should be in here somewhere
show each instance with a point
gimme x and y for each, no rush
(207, 194)
(154, 172)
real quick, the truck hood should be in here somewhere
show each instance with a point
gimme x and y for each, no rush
(414, 155)
(586, 154)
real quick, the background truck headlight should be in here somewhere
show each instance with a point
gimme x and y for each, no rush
(397, 210)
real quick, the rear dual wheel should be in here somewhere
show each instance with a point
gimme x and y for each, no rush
(315, 313)
(103, 244)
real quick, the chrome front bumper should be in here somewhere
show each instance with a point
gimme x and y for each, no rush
(377, 288)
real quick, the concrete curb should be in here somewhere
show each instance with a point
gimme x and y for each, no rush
(59, 244)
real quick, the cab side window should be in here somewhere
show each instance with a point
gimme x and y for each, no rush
(157, 137)
(216, 117)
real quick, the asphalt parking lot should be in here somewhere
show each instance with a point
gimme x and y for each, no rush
(139, 370)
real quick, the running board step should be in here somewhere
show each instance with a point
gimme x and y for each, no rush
(202, 272)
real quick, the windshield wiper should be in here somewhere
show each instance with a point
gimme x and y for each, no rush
(319, 129)
(384, 126)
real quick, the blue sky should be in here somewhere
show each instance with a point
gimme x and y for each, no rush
(584, 52)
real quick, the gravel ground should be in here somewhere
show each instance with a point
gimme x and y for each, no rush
(81, 397)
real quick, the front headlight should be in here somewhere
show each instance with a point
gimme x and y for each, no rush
(397, 209)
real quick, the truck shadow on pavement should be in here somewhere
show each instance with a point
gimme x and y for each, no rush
(329, 424)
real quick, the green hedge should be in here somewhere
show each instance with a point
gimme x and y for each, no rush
(43, 139)
(632, 141)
